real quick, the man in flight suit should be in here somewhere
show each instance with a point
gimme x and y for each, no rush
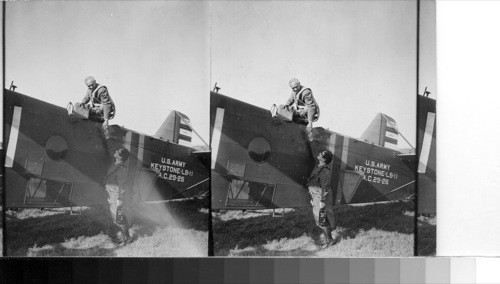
(306, 108)
(115, 183)
(98, 99)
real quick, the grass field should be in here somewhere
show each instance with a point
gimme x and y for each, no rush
(1, 230)
(179, 229)
(426, 236)
(370, 230)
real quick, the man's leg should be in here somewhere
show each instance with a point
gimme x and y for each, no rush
(300, 119)
(105, 112)
(115, 231)
(123, 224)
(315, 201)
(124, 232)
(331, 225)
(328, 234)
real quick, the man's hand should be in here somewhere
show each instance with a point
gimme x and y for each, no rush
(310, 136)
(119, 202)
(309, 126)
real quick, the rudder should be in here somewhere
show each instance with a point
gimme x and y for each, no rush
(176, 128)
(382, 131)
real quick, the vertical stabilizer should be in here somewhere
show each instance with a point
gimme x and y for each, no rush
(382, 131)
(176, 128)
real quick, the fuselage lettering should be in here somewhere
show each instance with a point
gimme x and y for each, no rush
(170, 169)
(376, 172)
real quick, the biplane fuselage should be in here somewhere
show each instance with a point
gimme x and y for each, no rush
(56, 160)
(260, 162)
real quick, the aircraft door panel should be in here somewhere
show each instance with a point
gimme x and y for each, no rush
(236, 168)
(34, 167)
(348, 183)
(63, 170)
(277, 167)
(251, 194)
(365, 193)
(49, 193)
(144, 186)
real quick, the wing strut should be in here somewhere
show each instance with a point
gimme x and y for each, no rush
(394, 190)
(206, 144)
(164, 201)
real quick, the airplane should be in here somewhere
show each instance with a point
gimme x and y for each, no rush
(262, 162)
(427, 169)
(53, 159)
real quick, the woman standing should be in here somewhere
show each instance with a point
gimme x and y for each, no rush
(321, 196)
(116, 187)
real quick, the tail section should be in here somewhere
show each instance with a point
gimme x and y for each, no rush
(383, 131)
(176, 128)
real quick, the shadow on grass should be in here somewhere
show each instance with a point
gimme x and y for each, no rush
(262, 251)
(59, 250)
(426, 239)
(185, 214)
(22, 234)
(46, 233)
(256, 232)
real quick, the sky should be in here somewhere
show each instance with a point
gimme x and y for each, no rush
(358, 57)
(152, 56)
(427, 56)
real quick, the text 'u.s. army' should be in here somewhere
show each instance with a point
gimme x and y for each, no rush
(170, 169)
